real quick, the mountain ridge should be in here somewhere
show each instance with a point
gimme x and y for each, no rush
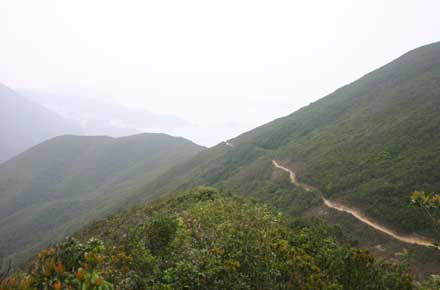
(368, 144)
(53, 188)
(24, 124)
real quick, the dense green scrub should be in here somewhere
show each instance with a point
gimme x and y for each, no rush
(203, 239)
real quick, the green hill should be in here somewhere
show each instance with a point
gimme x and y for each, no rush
(55, 187)
(368, 145)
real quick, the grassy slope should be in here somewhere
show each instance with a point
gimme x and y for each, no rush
(50, 190)
(369, 143)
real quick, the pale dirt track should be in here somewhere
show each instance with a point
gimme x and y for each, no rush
(356, 213)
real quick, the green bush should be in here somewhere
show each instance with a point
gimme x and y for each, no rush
(203, 239)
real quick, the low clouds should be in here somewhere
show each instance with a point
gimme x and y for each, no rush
(208, 63)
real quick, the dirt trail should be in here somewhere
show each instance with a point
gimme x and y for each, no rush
(356, 213)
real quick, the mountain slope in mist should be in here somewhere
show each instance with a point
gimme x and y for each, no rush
(368, 144)
(98, 116)
(53, 188)
(24, 124)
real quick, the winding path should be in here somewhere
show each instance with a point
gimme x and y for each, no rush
(357, 214)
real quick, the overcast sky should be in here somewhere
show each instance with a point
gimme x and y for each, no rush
(226, 66)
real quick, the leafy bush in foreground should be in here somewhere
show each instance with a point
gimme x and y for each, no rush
(69, 265)
(205, 240)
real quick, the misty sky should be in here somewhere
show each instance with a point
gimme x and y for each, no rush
(225, 66)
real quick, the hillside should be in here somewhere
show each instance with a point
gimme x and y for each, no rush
(55, 187)
(24, 124)
(367, 145)
(205, 239)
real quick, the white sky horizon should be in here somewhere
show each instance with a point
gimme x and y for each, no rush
(227, 66)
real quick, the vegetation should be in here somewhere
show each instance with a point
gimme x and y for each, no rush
(204, 239)
(70, 265)
(54, 188)
(430, 204)
(367, 144)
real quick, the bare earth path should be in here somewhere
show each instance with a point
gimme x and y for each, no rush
(357, 214)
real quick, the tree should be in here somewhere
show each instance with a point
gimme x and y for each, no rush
(430, 204)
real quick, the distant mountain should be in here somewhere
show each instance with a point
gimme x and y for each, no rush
(96, 116)
(24, 124)
(368, 145)
(53, 188)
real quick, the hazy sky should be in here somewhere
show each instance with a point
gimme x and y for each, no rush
(225, 65)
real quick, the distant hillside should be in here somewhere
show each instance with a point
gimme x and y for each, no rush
(367, 145)
(24, 124)
(98, 116)
(53, 188)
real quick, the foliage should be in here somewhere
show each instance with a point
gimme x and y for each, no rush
(367, 144)
(433, 283)
(69, 265)
(429, 201)
(350, 267)
(204, 239)
(430, 204)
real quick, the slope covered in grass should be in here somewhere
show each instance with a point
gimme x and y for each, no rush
(61, 184)
(368, 144)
